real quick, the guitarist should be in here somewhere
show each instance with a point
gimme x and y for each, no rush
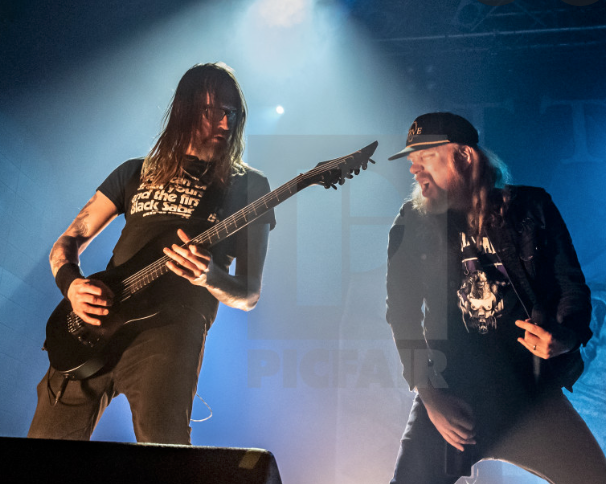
(193, 176)
(488, 307)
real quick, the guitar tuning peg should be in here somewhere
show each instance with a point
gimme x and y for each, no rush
(357, 171)
(372, 161)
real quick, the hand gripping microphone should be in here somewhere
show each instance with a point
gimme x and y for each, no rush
(538, 317)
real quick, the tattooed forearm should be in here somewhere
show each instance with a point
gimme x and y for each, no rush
(69, 245)
(64, 250)
(79, 227)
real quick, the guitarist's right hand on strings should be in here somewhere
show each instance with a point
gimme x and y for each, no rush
(90, 298)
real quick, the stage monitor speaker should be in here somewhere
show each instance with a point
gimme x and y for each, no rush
(73, 462)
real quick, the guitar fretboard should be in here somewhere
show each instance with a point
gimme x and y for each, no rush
(231, 224)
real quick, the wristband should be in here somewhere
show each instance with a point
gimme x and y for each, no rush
(66, 274)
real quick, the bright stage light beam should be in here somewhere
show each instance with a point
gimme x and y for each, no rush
(284, 13)
(279, 109)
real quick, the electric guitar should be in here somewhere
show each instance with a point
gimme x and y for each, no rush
(79, 350)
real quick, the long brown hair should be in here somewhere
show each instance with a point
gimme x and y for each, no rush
(182, 120)
(486, 183)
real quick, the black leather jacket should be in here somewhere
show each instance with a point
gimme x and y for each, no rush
(535, 247)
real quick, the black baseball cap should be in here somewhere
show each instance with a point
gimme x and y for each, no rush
(436, 129)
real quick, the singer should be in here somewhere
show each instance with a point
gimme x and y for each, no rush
(484, 278)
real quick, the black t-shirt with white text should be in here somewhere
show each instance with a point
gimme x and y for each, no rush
(153, 215)
(187, 202)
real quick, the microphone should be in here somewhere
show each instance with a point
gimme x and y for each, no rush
(538, 317)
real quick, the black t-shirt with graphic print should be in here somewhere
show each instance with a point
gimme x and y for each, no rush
(187, 202)
(483, 351)
(153, 215)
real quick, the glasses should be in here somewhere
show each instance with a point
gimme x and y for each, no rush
(216, 115)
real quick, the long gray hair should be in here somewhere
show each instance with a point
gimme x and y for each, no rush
(485, 179)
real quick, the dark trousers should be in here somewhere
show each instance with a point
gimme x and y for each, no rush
(158, 374)
(546, 437)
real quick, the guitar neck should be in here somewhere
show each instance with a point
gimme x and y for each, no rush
(215, 234)
(323, 173)
(248, 214)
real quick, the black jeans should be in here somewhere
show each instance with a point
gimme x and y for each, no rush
(546, 437)
(158, 374)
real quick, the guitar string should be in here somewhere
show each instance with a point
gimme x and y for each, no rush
(159, 268)
(213, 232)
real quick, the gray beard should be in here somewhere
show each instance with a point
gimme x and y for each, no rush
(427, 205)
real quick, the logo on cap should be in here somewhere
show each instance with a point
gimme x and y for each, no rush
(413, 131)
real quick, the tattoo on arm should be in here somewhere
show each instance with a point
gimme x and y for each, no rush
(66, 248)
(79, 225)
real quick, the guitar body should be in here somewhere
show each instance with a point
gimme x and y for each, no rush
(78, 349)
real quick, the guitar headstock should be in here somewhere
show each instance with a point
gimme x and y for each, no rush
(337, 171)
